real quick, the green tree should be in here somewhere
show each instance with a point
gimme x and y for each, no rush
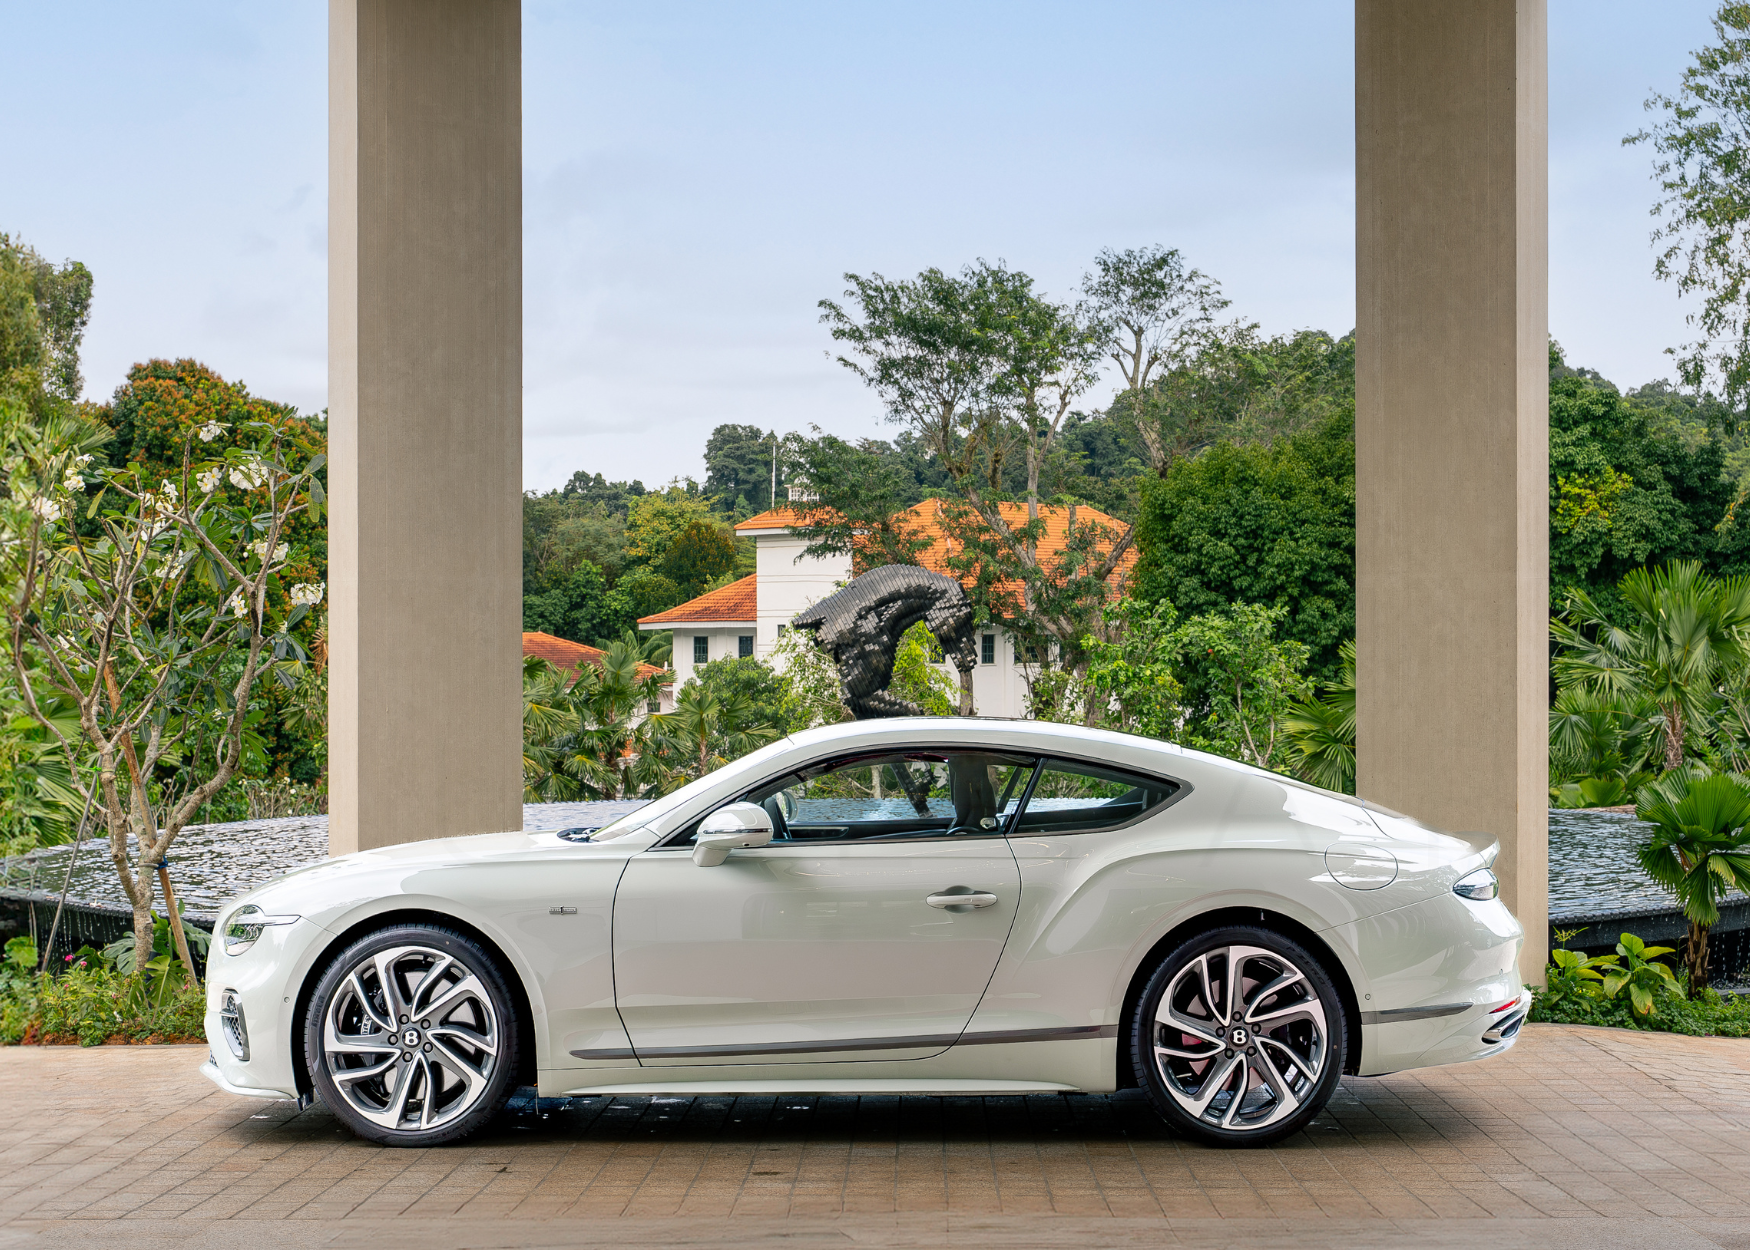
(1685, 630)
(1630, 486)
(598, 739)
(1699, 849)
(707, 729)
(1260, 523)
(751, 682)
(699, 554)
(1321, 729)
(1702, 166)
(982, 369)
(738, 468)
(44, 309)
(1152, 315)
(1133, 676)
(1240, 680)
(155, 626)
(582, 609)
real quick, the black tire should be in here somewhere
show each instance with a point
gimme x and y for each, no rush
(452, 1069)
(1282, 1074)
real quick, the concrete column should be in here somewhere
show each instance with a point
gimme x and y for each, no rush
(425, 419)
(1452, 426)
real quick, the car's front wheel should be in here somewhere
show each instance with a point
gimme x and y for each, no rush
(1239, 1037)
(411, 1038)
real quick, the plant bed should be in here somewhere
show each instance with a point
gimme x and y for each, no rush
(92, 1002)
(1712, 1015)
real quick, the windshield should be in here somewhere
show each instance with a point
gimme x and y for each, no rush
(631, 822)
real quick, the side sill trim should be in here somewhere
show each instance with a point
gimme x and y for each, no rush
(1399, 1015)
(933, 1040)
(1070, 1034)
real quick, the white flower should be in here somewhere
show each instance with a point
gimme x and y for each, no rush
(259, 549)
(175, 564)
(210, 479)
(210, 431)
(248, 476)
(309, 593)
(237, 604)
(73, 480)
(45, 508)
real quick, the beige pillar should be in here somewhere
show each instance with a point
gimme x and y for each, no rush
(425, 419)
(1452, 426)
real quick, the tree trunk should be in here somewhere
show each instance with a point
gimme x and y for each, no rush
(966, 707)
(1673, 738)
(1695, 956)
(180, 938)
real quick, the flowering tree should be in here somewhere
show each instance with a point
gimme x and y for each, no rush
(151, 604)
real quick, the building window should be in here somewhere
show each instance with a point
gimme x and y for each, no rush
(781, 630)
(701, 648)
(653, 707)
(1032, 653)
(744, 647)
(987, 653)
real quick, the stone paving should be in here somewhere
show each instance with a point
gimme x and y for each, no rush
(1578, 1137)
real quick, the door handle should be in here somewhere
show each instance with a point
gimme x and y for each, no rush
(964, 900)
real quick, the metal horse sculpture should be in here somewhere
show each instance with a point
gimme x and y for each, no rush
(860, 628)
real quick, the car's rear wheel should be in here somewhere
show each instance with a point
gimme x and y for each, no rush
(1239, 1037)
(411, 1038)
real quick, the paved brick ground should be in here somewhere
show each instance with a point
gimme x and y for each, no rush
(1579, 1137)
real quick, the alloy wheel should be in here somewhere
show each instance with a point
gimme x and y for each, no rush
(410, 1038)
(1240, 1038)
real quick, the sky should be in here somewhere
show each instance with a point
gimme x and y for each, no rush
(698, 176)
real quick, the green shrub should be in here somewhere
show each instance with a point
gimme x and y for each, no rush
(92, 1003)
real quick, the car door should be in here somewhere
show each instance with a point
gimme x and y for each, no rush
(839, 939)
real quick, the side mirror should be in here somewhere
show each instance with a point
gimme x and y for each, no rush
(728, 829)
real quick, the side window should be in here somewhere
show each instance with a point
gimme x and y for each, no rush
(701, 648)
(896, 794)
(744, 646)
(1072, 797)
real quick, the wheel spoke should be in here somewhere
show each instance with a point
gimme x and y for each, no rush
(1285, 1097)
(460, 992)
(429, 982)
(1291, 977)
(349, 1075)
(1213, 1083)
(393, 1003)
(366, 1005)
(1239, 1094)
(1215, 1011)
(441, 1036)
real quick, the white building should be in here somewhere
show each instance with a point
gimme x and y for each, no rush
(745, 617)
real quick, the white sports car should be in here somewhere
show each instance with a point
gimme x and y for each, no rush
(924, 906)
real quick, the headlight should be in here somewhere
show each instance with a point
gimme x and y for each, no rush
(245, 925)
(1479, 886)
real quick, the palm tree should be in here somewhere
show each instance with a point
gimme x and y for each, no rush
(547, 717)
(706, 730)
(1686, 630)
(1699, 849)
(615, 750)
(655, 647)
(1321, 730)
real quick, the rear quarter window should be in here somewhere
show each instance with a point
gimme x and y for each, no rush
(1074, 797)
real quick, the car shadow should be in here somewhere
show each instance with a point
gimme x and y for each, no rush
(1363, 1111)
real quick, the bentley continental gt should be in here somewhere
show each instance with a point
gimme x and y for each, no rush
(933, 906)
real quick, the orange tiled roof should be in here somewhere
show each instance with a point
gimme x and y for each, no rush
(564, 654)
(737, 601)
(925, 520)
(771, 519)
